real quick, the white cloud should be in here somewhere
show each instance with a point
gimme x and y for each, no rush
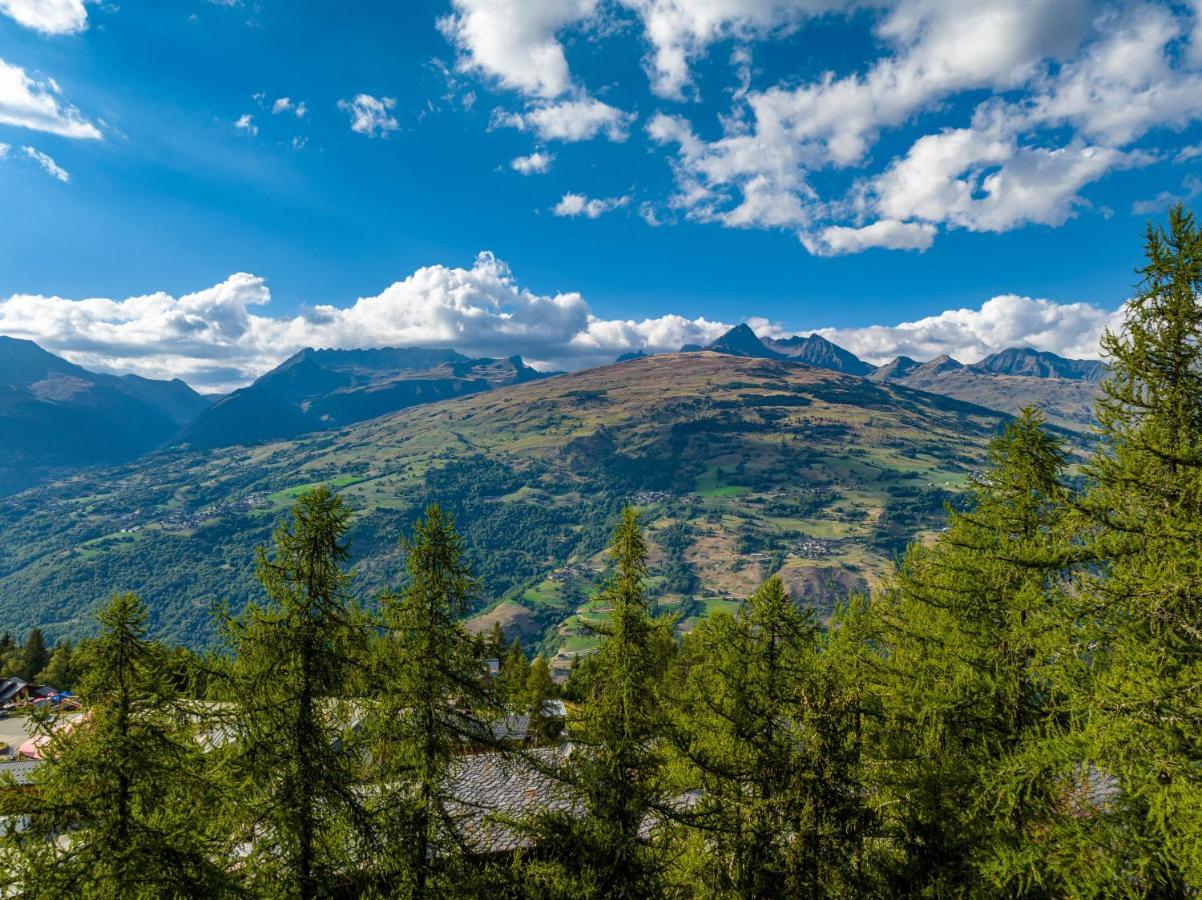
(572, 205)
(47, 16)
(570, 120)
(534, 164)
(48, 165)
(1070, 91)
(285, 104)
(1070, 329)
(246, 123)
(983, 180)
(370, 115)
(887, 233)
(515, 41)
(680, 30)
(215, 339)
(4, 148)
(32, 104)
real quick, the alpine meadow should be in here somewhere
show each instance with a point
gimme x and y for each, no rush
(818, 515)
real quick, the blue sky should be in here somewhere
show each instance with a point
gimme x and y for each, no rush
(909, 175)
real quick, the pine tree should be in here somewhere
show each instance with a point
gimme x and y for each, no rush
(297, 662)
(762, 732)
(610, 845)
(432, 705)
(62, 669)
(123, 807)
(967, 625)
(494, 644)
(1138, 795)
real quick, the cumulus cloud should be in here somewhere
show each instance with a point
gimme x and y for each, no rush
(534, 164)
(370, 115)
(38, 105)
(572, 205)
(1070, 329)
(1070, 85)
(47, 16)
(217, 338)
(679, 31)
(570, 120)
(516, 41)
(246, 123)
(887, 233)
(49, 166)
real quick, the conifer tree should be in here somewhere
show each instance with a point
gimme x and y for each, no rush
(539, 691)
(1138, 794)
(34, 655)
(609, 846)
(515, 669)
(762, 732)
(297, 662)
(967, 624)
(124, 806)
(432, 705)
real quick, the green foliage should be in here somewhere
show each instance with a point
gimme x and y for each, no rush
(125, 806)
(432, 704)
(763, 739)
(297, 661)
(617, 768)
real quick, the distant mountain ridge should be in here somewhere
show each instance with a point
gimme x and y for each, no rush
(314, 390)
(1008, 380)
(56, 416)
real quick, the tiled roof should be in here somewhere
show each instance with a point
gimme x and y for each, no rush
(19, 769)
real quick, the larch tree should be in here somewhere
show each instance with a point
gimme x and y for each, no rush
(608, 842)
(293, 753)
(432, 703)
(967, 626)
(1137, 806)
(125, 805)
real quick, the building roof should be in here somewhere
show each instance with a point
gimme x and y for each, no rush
(491, 788)
(20, 770)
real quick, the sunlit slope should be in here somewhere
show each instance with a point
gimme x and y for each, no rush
(743, 467)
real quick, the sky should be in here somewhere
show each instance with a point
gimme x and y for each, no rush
(199, 188)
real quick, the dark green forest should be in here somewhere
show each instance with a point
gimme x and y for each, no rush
(1016, 712)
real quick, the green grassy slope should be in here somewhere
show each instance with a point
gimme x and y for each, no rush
(742, 467)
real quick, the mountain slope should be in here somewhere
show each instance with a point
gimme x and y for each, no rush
(1041, 364)
(743, 467)
(315, 390)
(56, 416)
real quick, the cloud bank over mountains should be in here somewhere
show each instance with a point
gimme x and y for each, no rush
(223, 336)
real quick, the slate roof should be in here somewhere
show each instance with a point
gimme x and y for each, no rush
(19, 769)
(490, 787)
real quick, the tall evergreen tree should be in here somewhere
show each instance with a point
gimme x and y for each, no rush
(1139, 797)
(967, 625)
(608, 846)
(297, 663)
(540, 691)
(762, 732)
(124, 806)
(432, 705)
(34, 655)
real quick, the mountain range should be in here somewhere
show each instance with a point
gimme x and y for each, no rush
(56, 417)
(315, 390)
